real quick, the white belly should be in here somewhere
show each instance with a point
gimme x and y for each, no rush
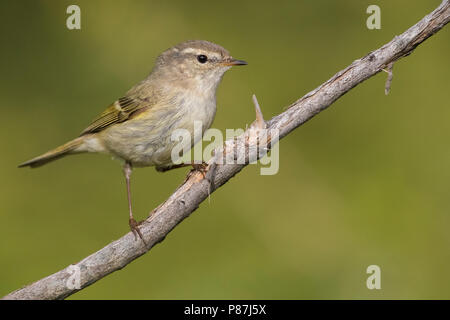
(146, 139)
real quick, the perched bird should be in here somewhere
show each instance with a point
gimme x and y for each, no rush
(137, 128)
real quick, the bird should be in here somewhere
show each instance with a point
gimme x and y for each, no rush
(136, 128)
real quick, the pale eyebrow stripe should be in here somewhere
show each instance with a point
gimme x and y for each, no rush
(207, 53)
(189, 50)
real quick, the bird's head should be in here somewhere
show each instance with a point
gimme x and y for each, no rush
(197, 61)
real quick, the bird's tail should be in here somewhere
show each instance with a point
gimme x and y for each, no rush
(59, 152)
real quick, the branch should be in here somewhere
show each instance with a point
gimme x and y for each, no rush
(197, 188)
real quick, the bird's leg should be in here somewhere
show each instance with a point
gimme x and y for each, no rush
(134, 226)
(200, 167)
(175, 166)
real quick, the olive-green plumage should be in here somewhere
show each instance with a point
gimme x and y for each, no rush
(137, 128)
(54, 154)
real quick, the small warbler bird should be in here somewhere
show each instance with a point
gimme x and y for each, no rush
(137, 128)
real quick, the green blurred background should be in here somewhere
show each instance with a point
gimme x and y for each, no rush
(365, 182)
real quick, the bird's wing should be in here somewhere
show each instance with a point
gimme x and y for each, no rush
(120, 111)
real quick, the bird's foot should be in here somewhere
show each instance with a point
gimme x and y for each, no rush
(200, 167)
(134, 227)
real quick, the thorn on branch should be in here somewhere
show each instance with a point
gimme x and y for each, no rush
(210, 176)
(388, 70)
(259, 122)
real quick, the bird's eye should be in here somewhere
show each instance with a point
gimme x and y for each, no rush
(202, 58)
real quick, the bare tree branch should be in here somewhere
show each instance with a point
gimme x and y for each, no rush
(196, 188)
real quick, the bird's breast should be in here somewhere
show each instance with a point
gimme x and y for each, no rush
(200, 108)
(148, 139)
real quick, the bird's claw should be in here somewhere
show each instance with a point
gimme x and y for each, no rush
(134, 227)
(200, 167)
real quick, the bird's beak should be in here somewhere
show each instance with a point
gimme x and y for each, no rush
(234, 62)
